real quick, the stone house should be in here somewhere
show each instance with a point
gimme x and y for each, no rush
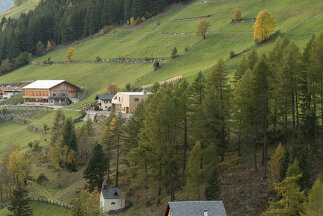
(51, 93)
(195, 208)
(111, 199)
(104, 101)
(8, 92)
(126, 102)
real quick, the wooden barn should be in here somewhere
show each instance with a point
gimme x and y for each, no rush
(51, 93)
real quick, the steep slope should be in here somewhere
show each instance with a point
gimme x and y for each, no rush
(152, 40)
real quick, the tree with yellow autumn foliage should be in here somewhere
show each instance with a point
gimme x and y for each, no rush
(202, 28)
(70, 54)
(275, 164)
(264, 26)
(237, 14)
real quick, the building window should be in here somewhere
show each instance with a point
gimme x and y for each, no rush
(54, 95)
(136, 99)
(113, 203)
(63, 94)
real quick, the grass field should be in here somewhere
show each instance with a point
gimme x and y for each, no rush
(15, 11)
(42, 209)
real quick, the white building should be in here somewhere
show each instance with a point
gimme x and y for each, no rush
(111, 199)
(8, 92)
(104, 101)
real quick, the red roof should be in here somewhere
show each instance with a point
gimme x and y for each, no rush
(10, 89)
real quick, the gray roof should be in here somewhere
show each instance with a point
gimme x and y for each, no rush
(197, 208)
(112, 193)
(44, 84)
(104, 97)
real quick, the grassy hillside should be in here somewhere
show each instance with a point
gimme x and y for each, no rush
(42, 209)
(299, 22)
(15, 11)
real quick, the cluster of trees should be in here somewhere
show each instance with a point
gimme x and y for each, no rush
(68, 149)
(176, 137)
(57, 22)
(15, 169)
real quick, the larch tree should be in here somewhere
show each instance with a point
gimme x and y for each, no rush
(218, 79)
(194, 173)
(237, 14)
(213, 188)
(275, 163)
(202, 28)
(314, 207)
(70, 54)
(264, 26)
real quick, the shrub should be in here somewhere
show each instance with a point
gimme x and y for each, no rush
(98, 59)
(143, 19)
(105, 30)
(186, 48)
(174, 53)
(158, 22)
(156, 65)
(35, 145)
(42, 178)
(30, 144)
(237, 14)
(232, 54)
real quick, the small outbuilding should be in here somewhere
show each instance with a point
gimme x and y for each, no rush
(195, 208)
(104, 101)
(111, 199)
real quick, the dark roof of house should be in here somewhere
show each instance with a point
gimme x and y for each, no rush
(104, 97)
(112, 193)
(196, 208)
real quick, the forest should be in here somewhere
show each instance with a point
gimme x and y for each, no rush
(57, 22)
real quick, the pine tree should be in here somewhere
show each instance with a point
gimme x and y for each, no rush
(213, 188)
(97, 167)
(70, 142)
(194, 173)
(20, 203)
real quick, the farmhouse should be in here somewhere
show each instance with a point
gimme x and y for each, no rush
(111, 199)
(104, 101)
(126, 102)
(51, 92)
(195, 208)
(8, 92)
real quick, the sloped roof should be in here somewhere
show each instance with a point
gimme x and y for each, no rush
(136, 93)
(44, 84)
(196, 208)
(104, 97)
(11, 89)
(112, 193)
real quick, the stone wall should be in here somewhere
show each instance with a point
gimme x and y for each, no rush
(192, 18)
(117, 60)
(243, 20)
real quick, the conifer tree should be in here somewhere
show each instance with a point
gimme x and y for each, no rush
(276, 163)
(69, 141)
(284, 166)
(219, 81)
(213, 188)
(194, 173)
(97, 167)
(314, 207)
(291, 197)
(20, 203)
(263, 26)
